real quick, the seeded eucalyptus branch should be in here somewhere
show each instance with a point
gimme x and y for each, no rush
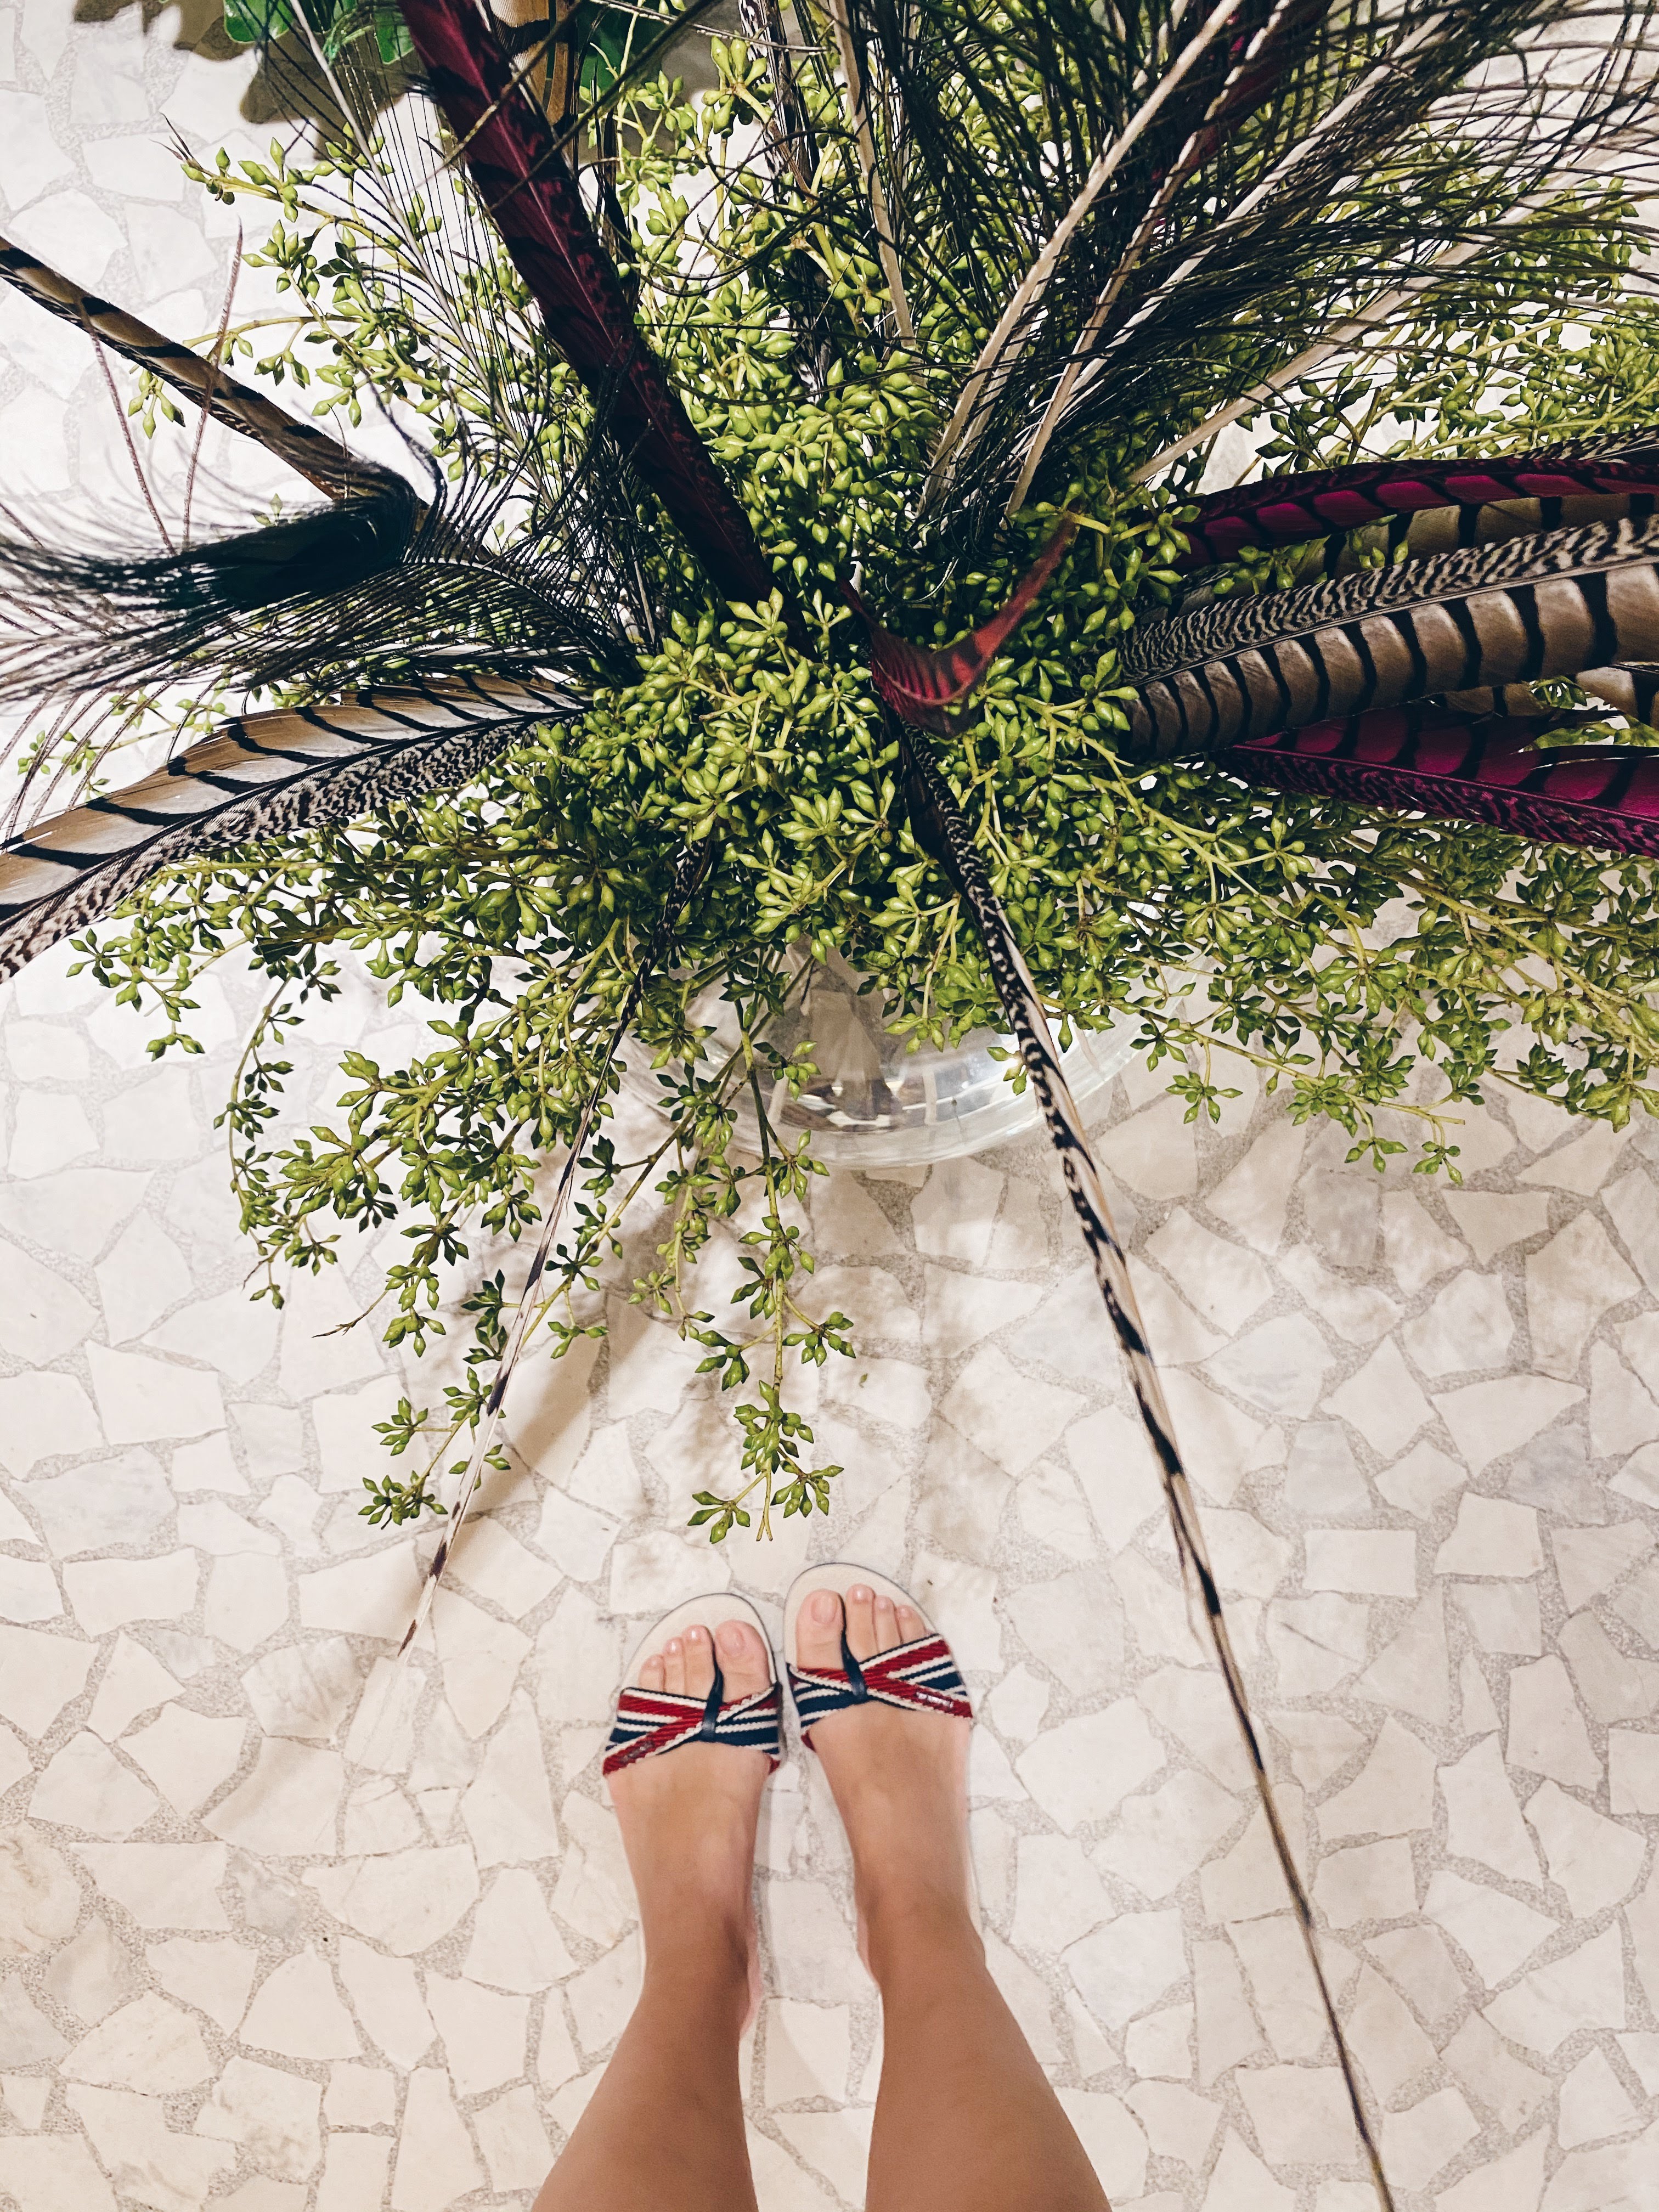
(1333, 952)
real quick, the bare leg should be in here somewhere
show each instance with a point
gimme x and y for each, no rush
(664, 2132)
(965, 2117)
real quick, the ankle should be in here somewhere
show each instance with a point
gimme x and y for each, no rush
(917, 1924)
(698, 1954)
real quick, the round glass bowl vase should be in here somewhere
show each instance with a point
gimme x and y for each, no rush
(876, 1101)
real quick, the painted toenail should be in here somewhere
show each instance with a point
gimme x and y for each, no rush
(730, 1637)
(823, 1606)
(673, 1643)
(859, 1594)
(694, 1636)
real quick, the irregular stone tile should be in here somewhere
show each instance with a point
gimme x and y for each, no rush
(1483, 1819)
(483, 2031)
(1478, 1714)
(1358, 1311)
(1585, 1989)
(1323, 1481)
(1074, 1625)
(1192, 1704)
(1418, 1249)
(1276, 1966)
(1638, 1604)
(514, 2144)
(359, 2096)
(161, 1884)
(1632, 1205)
(1493, 1220)
(1218, 1440)
(39, 1674)
(243, 1335)
(287, 1805)
(49, 1129)
(1300, 2114)
(1483, 2064)
(1113, 2140)
(1392, 1795)
(1612, 1686)
(1502, 1616)
(1369, 1562)
(101, 1504)
(1547, 1732)
(372, 1596)
(1623, 1415)
(1492, 1537)
(1381, 1400)
(404, 1900)
(508, 1810)
(53, 2173)
(1632, 1771)
(215, 1975)
(1387, 2040)
(1175, 1332)
(1051, 1512)
(92, 1975)
(273, 2115)
(149, 2165)
(1127, 1965)
(514, 1944)
(1594, 2104)
(76, 1212)
(1571, 1282)
(207, 1464)
(1589, 1561)
(41, 1315)
(148, 2045)
(187, 1755)
(246, 1600)
(1239, 2182)
(960, 1602)
(27, 2038)
(44, 1417)
(1280, 1366)
(304, 1690)
(962, 1308)
(1315, 1641)
(1416, 1960)
(1468, 1325)
(1496, 1932)
(297, 2011)
(388, 2000)
(1417, 1483)
(1013, 1419)
(1583, 1166)
(1489, 1419)
(1163, 1836)
(1419, 2143)
(1370, 1881)
(575, 1537)
(1152, 1151)
(1225, 1282)
(85, 1786)
(649, 1576)
(141, 1400)
(1081, 1771)
(1112, 1461)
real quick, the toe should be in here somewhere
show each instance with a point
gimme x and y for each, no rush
(861, 1621)
(910, 1624)
(673, 1661)
(652, 1673)
(743, 1659)
(817, 1631)
(699, 1661)
(887, 1630)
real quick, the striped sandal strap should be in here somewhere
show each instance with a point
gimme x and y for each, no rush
(652, 1721)
(920, 1677)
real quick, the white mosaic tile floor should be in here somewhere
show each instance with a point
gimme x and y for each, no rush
(282, 1930)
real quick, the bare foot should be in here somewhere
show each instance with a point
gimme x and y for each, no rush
(900, 1781)
(688, 1820)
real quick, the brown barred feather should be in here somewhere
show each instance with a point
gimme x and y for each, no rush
(258, 777)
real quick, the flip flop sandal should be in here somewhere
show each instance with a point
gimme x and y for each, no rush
(920, 1677)
(651, 1721)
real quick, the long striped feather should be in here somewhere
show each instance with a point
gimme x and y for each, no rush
(1286, 510)
(258, 777)
(1468, 767)
(1517, 612)
(305, 448)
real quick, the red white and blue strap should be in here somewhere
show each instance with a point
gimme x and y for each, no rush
(650, 1721)
(921, 1676)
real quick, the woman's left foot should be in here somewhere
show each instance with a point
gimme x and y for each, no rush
(688, 1818)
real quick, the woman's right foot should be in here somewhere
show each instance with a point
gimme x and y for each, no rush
(899, 1778)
